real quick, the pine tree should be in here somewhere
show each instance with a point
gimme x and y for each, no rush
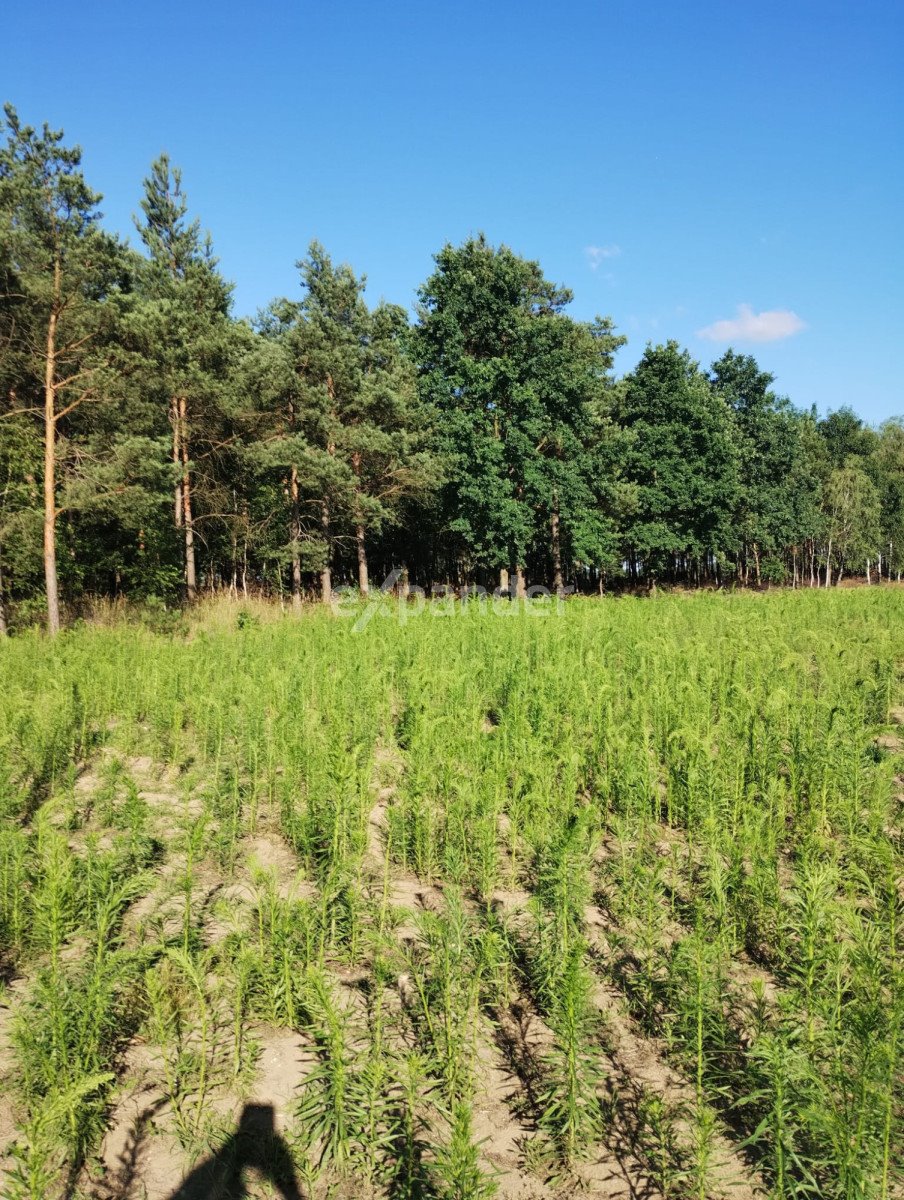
(65, 274)
(182, 330)
(354, 428)
(274, 446)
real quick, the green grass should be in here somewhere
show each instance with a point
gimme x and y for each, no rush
(680, 801)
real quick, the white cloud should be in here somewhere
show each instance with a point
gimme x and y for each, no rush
(596, 254)
(749, 326)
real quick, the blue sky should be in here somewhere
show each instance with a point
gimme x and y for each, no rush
(711, 172)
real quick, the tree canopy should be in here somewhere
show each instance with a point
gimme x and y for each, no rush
(153, 445)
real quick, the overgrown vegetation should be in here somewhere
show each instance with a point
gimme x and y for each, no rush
(534, 902)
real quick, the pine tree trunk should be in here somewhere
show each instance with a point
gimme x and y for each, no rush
(363, 576)
(558, 583)
(191, 569)
(50, 512)
(363, 580)
(326, 578)
(503, 579)
(520, 585)
(3, 626)
(177, 460)
(296, 538)
(295, 531)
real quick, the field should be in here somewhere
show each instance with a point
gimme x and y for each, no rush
(457, 906)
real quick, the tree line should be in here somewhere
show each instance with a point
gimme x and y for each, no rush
(153, 445)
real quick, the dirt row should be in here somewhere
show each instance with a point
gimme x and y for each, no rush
(141, 1158)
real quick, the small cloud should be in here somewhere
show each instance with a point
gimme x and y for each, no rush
(596, 254)
(749, 326)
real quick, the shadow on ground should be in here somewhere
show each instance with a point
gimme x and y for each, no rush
(255, 1146)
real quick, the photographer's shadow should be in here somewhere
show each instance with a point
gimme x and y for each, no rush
(256, 1146)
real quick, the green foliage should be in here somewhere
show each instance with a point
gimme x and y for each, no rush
(680, 845)
(519, 387)
(327, 438)
(458, 1168)
(660, 832)
(682, 458)
(343, 425)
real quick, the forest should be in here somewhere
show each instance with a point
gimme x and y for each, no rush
(154, 447)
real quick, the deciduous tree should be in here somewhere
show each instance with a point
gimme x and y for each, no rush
(683, 460)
